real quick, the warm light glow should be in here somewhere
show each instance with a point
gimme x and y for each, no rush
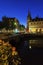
(29, 30)
(32, 30)
(38, 30)
(29, 47)
(13, 48)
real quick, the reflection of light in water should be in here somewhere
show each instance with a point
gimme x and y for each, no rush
(33, 41)
(30, 47)
(36, 42)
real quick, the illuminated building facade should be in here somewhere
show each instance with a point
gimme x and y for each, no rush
(11, 23)
(34, 25)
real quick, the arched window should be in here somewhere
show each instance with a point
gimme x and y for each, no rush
(36, 30)
(40, 30)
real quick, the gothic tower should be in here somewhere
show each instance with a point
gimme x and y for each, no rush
(28, 19)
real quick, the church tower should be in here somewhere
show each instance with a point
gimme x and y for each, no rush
(28, 19)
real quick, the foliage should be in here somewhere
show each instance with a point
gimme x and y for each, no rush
(8, 54)
(22, 27)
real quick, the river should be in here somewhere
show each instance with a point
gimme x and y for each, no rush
(30, 51)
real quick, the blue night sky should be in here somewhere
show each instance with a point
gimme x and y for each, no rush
(19, 9)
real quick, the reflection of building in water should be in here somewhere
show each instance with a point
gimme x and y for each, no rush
(34, 25)
(37, 43)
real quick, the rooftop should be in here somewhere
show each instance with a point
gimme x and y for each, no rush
(37, 19)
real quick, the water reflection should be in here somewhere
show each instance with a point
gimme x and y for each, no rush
(27, 52)
(38, 42)
(30, 47)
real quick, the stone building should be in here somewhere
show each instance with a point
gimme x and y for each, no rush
(34, 25)
(10, 22)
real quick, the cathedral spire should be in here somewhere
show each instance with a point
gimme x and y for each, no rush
(28, 19)
(29, 16)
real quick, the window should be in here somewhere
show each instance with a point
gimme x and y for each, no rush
(34, 22)
(31, 23)
(37, 22)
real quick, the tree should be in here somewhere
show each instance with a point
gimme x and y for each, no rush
(8, 54)
(22, 27)
(5, 22)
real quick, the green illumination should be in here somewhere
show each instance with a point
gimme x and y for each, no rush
(15, 23)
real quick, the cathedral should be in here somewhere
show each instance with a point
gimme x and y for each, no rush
(34, 25)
